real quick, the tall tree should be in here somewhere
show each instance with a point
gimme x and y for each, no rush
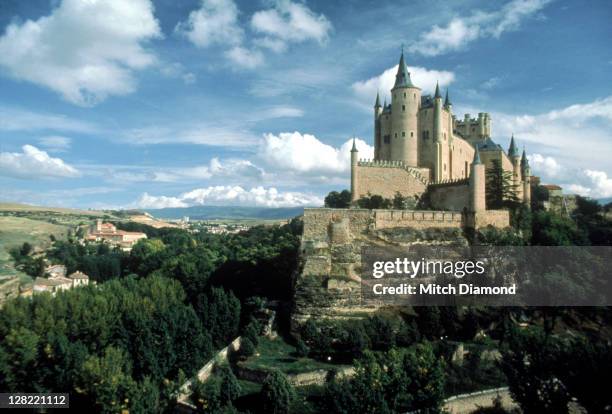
(500, 189)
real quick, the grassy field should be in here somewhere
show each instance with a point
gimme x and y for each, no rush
(277, 354)
(14, 231)
(28, 208)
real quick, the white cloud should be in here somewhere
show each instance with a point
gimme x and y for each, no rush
(16, 119)
(84, 50)
(226, 169)
(178, 71)
(595, 184)
(55, 143)
(200, 134)
(34, 163)
(290, 22)
(231, 195)
(304, 153)
(214, 23)
(541, 164)
(461, 31)
(577, 135)
(245, 58)
(423, 78)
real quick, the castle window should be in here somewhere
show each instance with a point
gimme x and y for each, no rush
(404, 94)
(472, 129)
(403, 107)
(411, 133)
(396, 135)
(444, 167)
(414, 96)
(403, 133)
(387, 139)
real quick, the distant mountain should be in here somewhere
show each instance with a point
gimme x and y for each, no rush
(226, 212)
(604, 201)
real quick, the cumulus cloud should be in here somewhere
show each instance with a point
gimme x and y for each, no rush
(568, 133)
(585, 182)
(231, 195)
(595, 184)
(34, 163)
(423, 78)
(543, 164)
(215, 22)
(289, 22)
(461, 31)
(304, 153)
(55, 143)
(84, 50)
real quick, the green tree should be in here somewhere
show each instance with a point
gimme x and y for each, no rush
(500, 189)
(529, 364)
(374, 202)
(338, 199)
(276, 393)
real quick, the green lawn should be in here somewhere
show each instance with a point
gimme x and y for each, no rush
(14, 231)
(278, 354)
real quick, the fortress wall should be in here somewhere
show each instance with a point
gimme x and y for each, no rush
(386, 181)
(495, 218)
(384, 219)
(450, 196)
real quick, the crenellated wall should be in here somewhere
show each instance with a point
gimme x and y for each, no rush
(385, 178)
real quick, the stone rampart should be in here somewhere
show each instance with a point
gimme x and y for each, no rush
(328, 284)
(449, 195)
(386, 178)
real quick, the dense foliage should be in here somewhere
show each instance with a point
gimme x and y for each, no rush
(119, 344)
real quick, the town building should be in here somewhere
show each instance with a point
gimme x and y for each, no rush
(107, 232)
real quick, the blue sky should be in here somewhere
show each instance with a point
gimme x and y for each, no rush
(153, 103)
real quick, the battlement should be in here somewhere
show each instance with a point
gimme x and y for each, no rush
(450, 182)
(468, 120)
(417, 173)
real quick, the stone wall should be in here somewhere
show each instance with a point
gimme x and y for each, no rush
(386, 178)
(328, 283)
(495, 218)
(450, 196)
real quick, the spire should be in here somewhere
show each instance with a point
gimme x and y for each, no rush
(524, 160)
(476, 160)
(377, 104)
(354, 149)
(512, 151)
(447, 101)
(437, 95)
(402, 78)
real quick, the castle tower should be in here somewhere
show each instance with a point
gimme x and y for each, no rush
(437, 134)
(516, 167)
(405, 103)
(377, 128)
(354, 161)
(526, 172)
(477, 184)
(449, 107)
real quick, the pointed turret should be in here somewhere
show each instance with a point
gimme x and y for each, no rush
(377, 103)
(524, 161)
(402, 78)
(512, 151)
(476, 160)
(447, 102)
(354, 149)
(437, 95)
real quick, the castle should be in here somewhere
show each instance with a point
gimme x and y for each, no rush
(420, 147)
